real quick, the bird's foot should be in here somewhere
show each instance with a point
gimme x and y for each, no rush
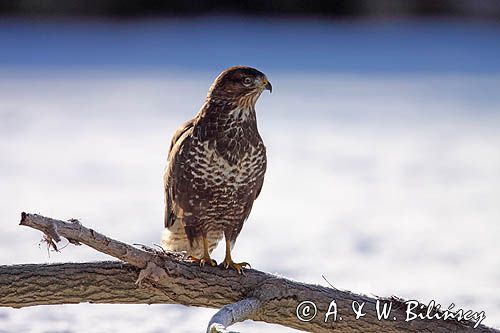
(238, 267)
(203, 260)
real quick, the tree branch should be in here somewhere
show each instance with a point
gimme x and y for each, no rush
(70, 283)
(233, 313)
(167, 278)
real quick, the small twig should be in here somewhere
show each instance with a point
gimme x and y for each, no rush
(153, 272)
(160, 248)
(49, 242)
(324, 278)
(233, 313)
(144, 247)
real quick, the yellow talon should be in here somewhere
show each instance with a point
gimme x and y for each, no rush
(206, 256)
(238, 267)
(229, 263)
(203, 260)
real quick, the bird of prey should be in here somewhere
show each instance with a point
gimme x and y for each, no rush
(215, 170)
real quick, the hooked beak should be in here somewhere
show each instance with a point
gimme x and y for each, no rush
(268, 86)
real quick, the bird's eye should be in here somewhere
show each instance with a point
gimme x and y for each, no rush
(247, 81)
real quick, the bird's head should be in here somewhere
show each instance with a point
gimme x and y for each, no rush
(239, 84)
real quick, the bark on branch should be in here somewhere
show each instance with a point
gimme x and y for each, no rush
(167, 278)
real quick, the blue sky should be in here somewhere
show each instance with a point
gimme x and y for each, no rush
(387, 47)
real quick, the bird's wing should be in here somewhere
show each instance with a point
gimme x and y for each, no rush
(259, 187)
(181, 137)
(260, 179)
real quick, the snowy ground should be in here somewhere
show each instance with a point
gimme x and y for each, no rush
(384, 179)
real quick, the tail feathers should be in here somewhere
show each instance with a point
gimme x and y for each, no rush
(175, 239)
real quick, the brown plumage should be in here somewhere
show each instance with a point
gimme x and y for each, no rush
(216, 167)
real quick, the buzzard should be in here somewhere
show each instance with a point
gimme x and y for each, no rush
(215, 170)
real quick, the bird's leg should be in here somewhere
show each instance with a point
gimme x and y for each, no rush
(228, 261)
(206, 256)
